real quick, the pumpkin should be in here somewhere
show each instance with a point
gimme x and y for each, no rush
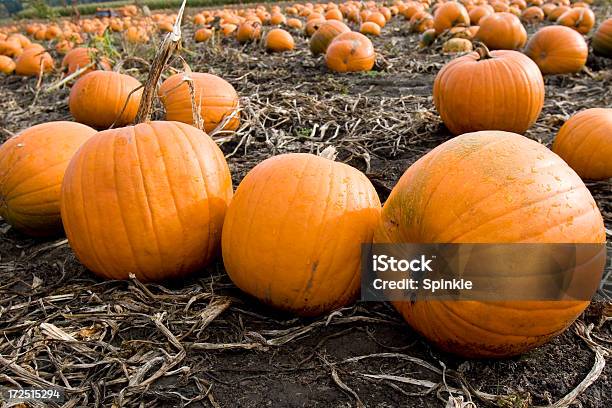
(427, 38)
(377, 18)
(580, 19)
(557, 50)
(585, 143)
(325, 34)
(421, 21)
(32, 166)
(33, 61)
(279, 40)
(277, 19)
(370, 28)
(228, 29)
(294, 23)
(455, 45)
(479, 12)
(216, 97)
(293, 232)
(490, 187)
(7, 65)
(101, 98)
(602, 39)
(411, 9)
(334, 14)
(450, 15)
(248, 31)
(202, 34)
(502, 31)
(81, 57)
(312, 26)
(350, 52)
(556, 12)
(467, 92)
(11, 48)
(532, 15)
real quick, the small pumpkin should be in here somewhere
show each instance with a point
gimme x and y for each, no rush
(580, 19)
(325, 34)
(216, 97)
(350, 52)
(466, 92)
(427, 38)
(556, 12)
(81, 57)
(557, 50)
(449, 15)
(421, 21)
(294, 23)
(293, 244)
(7, 65)
(248, 31)
(279, 40)
(32, 166)
(602, 39)
(377, 18)
(532, 15)
(370, 28)
(478, 12)
(455, 45)
(502, 31)
(11, 48)
(98, 99)
(585, 143)
(490, 187)
(33, 61)
(202, 34)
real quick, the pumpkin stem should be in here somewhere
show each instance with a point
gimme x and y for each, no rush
(170, 44)
(329, 152)
(482, 50)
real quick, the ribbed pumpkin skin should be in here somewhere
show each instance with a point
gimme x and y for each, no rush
(216, 96)
(557, 50)
(147, 199)
(293, 232)
(490, 187)
(97, 99)
(505, 92)
(502, 31)
(602, 39)
(32, 165)
(324, 35)
(585, 143)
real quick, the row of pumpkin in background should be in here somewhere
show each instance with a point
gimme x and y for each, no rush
(555, 49)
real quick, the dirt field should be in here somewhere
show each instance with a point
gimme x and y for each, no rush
(204, 342)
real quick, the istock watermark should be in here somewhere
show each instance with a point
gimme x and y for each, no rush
(484, 272)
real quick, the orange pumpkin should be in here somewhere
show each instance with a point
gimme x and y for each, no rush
(449, 15)
(467, 92)
(248, 31)
(81, 57)
(7, 65)
(377, 18)
(216, 97)
(502, 31)
(602, 39)
(293, 244)
(580, 19)
(456, 45)
(370, 28)
(98, 99)
(334, 14)
(32, 166)
(585, 143)
(556, 12)
(147, 199)
(202, 34)
(557, 50)
(325, 34)
(532, 15)
(479, 12)
(294, 23)
(490, 187)
(350, 52)
(279, 40)
(11, 48)
(34, 61)
(421, 21)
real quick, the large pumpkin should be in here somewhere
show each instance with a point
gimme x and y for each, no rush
(500, 90)
(328, 30)
(34, 61)
(293, 232)
(557, 50)
(147, 199)
(602, 39)
(32, 166)
(350, 52)
(101, 98)
(585, 143)
(216, 97)
(502, 31)
(490, 187)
